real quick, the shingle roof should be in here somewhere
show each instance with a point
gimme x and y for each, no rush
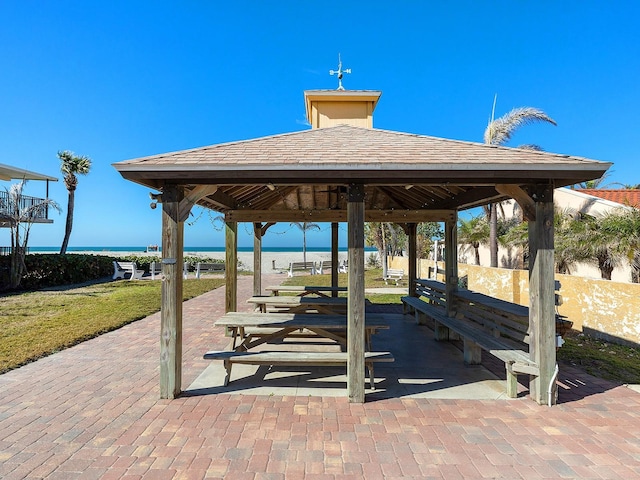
(622, 196)
(354, 146)
(399, 170)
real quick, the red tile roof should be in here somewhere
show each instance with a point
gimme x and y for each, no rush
(623, 197)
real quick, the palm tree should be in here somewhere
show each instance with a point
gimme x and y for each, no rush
(70, 167)
(305, 226)
(498, 132)
(622, 229)
(473, 232)
(567, 231)
(388, 238)
(599, 242)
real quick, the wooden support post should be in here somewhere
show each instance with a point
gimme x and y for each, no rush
(451, 263)
(512, 381)
(231, 273)
(356, 300)
(440, 332)
(542, 339)
(171, 308)
(472, 352)
(412, 234)
(257, 259)
(334, 257)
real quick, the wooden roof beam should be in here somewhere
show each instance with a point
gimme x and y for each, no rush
(519, 195)
(394, 216)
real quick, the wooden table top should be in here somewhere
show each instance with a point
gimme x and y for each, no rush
(305, 288)
(296, 301)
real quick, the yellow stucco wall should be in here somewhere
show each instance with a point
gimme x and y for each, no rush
(597, 306)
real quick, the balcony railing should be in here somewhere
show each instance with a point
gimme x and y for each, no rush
(8, 250)
(38, 210)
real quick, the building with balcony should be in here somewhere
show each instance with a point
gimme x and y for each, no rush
(25, 202)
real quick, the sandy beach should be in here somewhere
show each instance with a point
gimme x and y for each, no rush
(272, 262)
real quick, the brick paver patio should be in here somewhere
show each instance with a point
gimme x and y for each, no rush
(92, 411)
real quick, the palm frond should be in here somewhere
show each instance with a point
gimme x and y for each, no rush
(500, 130)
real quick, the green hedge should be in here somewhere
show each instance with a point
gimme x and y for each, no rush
(52, 270)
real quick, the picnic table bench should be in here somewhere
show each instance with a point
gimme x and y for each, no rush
(121, 269)
(482, 322)
(245, 329)
(327, 305)
(296, 359)
(301, 267)
(302, 291)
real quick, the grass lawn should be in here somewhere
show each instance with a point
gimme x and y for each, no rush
(36, 324)
(598, 358)
(372, 279)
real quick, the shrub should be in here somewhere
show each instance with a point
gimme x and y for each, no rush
(52, 270)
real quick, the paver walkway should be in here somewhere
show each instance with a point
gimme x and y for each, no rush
(92, 411)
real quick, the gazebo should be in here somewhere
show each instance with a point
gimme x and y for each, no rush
(344, 170)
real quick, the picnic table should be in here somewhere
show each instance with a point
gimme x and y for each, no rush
(253, 329)
(250, 330)
(290, 304)
(304, 290)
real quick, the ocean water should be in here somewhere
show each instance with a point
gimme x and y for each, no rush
(186, 249)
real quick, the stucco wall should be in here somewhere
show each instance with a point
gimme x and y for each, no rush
(602, 308)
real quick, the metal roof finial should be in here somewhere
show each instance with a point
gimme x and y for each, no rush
(339, 72)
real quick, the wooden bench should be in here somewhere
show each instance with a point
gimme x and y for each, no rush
(343, 267)
(393, 274)
(322, 265)
(301, 267)
(498, 329)
(121, 269)
(155, 268)
(209, 268)
(295, 359)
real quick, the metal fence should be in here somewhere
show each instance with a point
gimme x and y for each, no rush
(37, 208)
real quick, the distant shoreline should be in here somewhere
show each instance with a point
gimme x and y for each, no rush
(137, 249)
(274, 259)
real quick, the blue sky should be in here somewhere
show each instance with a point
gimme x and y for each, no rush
(120, 79)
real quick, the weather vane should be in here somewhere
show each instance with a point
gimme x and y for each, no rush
(339, 72)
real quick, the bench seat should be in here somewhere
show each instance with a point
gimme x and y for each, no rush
(216, 267)
(475, 339)
(393, 274)
(120, 269)
(294, 359)
(301, 267)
